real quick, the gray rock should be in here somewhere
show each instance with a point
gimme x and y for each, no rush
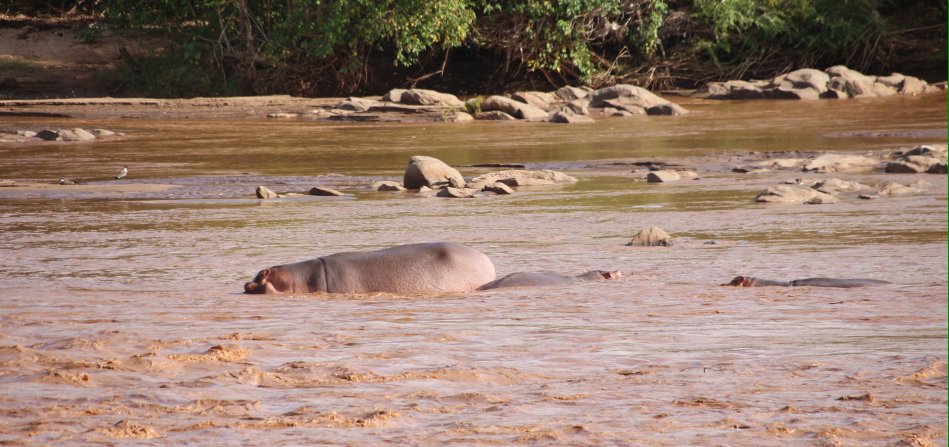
(430, 171)
(895, 189)
(794, 93)
(394, 95)
(578, 107)
(938, 168)
(498, 188)
(264, 193)
(354, 104)
(834, 186)
(570, 118)
(911, 86)
(458, 193)
(663, 176)
(323, 191)
(651, 237)
(514, 108)
(541, 100)
(103, 133)
(794, 194)
(626, 94)
(839, 162)
(76, 134)
(48, 135)
(808, 78)
(568, 93)
(930, 159)
(612, 106)
(494, 115)
(282, 115)
(458, 117)
(520, 177)
(667, 109)
(431, 98)
(387, 185)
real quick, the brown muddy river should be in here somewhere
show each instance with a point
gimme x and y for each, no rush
(122, 320)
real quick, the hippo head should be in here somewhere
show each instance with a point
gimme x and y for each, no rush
(740, 281)
(272, 280)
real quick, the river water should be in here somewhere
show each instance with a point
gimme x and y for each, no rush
(122, 320)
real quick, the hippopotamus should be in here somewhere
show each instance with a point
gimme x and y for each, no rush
(747, 281)
(540, 279)
(414, 268)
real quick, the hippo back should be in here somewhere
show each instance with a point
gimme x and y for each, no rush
(528, 279)
(414, 268)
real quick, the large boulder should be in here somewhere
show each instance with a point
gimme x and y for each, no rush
(394, 95)
(625, 94)
(541, 100)
(651, 237)
(840, 162)
(808, 78)
(568, 93)
(514, 108)
(521, 177)
(430, 171)
(794, 194)
(423, 97)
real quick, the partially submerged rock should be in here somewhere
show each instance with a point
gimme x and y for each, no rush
(838, 82)
(324, 191)
(929, 159)
(264, 193)
(494, 115)
(895, 189)
(651, 237)
(498, 188)
(663, 176)
(835, 186)
(520, 177)
(75, 134)
(514, 108)
(387, 185)
(430, 98)
(430, 171)
(840, 162)
(564, 117)
(794, 194)
(354, 104)
(458, 193)
(633, 99)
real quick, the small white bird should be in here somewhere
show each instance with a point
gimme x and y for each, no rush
(122, 173)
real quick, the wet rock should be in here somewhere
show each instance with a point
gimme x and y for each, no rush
(431, 98)
(103, 133)
(514, 108)
(323, 191)
(498, 188)
(929, 159)
(387, 185)
(625, 94)
(282, 115)
(264, 193)
(835, 185)
(76, 134)
(651, 237)
(48, 135)
(568, 93)
(518, 177)
(353, 104)
(457, 193)
(808, 78)
(430, 171)
(839, 162)
(896, 189)
(665, 176)
(458, 117)
(669, 109)
(494, 115)
(794, 93)
(794, 194)
(570, 118)
(541, 100)
(394, 95)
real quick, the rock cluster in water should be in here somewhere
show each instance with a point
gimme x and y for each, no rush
(564, 105)
(837, 82)
(74, 134)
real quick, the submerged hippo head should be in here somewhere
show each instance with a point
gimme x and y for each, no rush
(741, 281)
(272, 280)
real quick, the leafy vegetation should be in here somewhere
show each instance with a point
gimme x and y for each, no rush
(349, 46)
